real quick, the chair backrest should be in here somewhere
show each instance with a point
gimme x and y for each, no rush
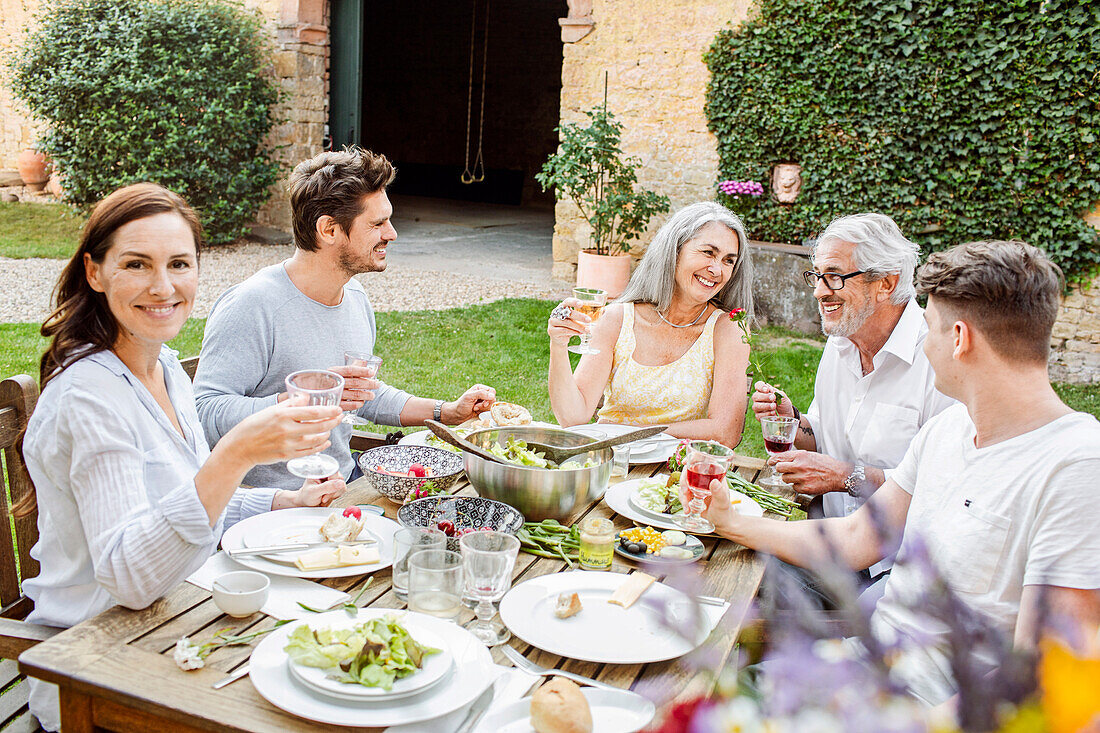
(18, 395)
(190, 365)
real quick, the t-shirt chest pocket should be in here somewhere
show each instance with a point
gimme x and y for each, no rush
(969, 547)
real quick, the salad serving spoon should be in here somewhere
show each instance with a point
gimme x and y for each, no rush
(559, 454)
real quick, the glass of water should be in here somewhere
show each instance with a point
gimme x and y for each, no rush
(322, 387)
(373, 364)
(406, 543)
(435, 583)
(488, 559)
(620, 463)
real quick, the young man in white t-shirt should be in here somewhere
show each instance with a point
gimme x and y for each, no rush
(1001, 490)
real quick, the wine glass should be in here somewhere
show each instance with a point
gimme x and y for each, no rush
(706, 460)
(488, 559)
(322, 387)
(592, 302)
(779, 432)
(373, 364)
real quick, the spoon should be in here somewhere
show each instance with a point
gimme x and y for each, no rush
(447, 435)
(559, 454)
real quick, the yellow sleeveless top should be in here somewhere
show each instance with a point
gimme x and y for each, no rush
(658, 395)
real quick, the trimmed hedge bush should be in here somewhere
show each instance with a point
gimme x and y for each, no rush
(962, 119)
(171, 91)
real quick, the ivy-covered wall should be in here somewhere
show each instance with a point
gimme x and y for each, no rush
(962, 119)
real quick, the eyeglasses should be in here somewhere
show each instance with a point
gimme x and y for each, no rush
(833, 281)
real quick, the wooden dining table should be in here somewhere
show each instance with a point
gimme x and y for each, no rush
(116, 671)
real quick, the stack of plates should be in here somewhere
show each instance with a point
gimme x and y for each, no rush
(623, 499)
(448, 681)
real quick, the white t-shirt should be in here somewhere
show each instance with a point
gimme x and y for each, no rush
(872, 419)
(1024, 511)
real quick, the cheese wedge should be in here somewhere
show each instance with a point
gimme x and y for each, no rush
(631, 589)
(337, 557)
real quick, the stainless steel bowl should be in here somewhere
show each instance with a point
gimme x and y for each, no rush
(538, 493)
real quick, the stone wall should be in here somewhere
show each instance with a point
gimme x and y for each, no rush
(17, 132)
(652, 51)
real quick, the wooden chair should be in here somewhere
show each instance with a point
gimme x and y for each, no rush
(18, 395)
(359, 441)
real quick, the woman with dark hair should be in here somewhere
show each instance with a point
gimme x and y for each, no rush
(130, 498)
(667, 355)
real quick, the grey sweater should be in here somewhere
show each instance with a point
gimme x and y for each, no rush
(261, 330)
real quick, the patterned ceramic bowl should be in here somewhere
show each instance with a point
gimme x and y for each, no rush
(463, 512)
(445, 467)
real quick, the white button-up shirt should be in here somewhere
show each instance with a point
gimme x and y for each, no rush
(872, 419)
(119, 518)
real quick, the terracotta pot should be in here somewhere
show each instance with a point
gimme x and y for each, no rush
(607, 272)
(53, 186)
(32, 167)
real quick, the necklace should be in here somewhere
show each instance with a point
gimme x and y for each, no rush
(686, 325)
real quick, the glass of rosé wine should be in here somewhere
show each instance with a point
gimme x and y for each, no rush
(705, 461)
(779, 433)
(592, 302)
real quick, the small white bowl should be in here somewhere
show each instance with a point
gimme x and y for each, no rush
(241, 593)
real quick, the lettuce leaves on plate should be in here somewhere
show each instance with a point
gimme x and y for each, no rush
(374, 653)
(656, 496)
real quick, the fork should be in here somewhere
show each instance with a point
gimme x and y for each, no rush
(527, 665)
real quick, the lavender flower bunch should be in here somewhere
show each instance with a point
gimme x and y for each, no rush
(737, 189)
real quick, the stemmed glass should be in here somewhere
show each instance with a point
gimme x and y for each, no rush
(779, 433)
(488, 559)
(322, 387)
(705, 461)
(373, 364)
(592, 302)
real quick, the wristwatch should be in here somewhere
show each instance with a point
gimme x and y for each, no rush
(437, 411)
(855, 480)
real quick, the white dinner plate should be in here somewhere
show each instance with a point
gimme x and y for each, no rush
(473, 672)
(613, 711)
(654, 449)
(602, 631)
(436, 666)
(618, 498)
(300, 528)
(271, 524)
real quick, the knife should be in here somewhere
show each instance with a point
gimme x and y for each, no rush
(478, 710)
(293, 546)
(231, 677)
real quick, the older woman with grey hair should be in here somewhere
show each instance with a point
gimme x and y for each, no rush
(667, 353)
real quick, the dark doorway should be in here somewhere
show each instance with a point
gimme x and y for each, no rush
(416, 84)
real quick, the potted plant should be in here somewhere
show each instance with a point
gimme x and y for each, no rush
(591, 170)
(33, 169)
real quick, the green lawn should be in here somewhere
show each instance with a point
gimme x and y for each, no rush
(503, 344)
(39, 230)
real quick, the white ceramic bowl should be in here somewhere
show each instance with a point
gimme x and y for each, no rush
(241, 593)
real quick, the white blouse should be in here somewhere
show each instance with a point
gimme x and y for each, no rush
(119, 518)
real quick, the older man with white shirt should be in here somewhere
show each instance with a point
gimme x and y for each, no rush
(874, 388)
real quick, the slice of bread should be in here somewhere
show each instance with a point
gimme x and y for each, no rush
(569, 604)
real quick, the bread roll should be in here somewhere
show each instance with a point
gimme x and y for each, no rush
(559, 707)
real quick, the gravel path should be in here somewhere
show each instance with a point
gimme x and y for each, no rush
(26, 285)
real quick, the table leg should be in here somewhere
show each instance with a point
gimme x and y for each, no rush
(76, 712)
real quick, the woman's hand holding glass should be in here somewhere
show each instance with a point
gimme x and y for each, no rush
(287, 430)
(574, 323)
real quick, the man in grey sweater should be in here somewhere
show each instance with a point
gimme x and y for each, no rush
(304, 313)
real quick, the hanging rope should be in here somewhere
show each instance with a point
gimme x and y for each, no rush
(477, 174)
